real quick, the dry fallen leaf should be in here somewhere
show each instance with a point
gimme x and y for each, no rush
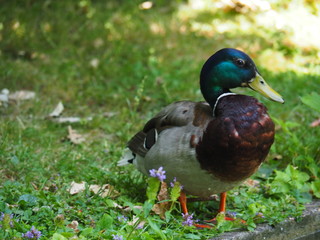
(34, 186)
(110, 114)
(146, 5)
(74, 136)
(4, 96)
(105, 190)
(135, 220)
(22, 95)
(71, 119)
(74, 225)
(252, 183)
(162, 207)
(129, 209)
(315, 123)
(116, 205)
(277, 157)
(77, 187)
(94, 63)
(98, 43)
(57, 111)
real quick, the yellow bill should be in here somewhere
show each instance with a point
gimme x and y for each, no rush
(260, 85)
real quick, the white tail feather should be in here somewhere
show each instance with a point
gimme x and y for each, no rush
(126, 158)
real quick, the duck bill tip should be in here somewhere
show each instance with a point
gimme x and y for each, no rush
(259, 85)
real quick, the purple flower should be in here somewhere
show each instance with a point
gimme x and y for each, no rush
(6, 219)
(1, 219)
(160, 173)
(117, 237)
(140, 226)
(11, 222)
(232, 214)
(173, 183)
(188, 219)
(122, 218)
(259, 214)
(32, 234)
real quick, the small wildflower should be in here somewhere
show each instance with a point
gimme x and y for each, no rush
(232, 214)
(53, 188)
(117, 237)
(122, 218)
(11, 222)
(173, 183)
(1, 218)
(140, 226)
(188, 219)
(259, 214)
(160, 173)
(6, 220)
(32, 234)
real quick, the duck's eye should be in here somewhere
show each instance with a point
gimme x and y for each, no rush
(240, 62)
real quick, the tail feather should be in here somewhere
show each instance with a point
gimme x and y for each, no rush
(127, 158)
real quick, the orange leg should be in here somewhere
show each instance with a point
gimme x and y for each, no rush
(183, 202)
(222, 207)
(223, 200)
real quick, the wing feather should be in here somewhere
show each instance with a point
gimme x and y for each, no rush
(174, 115)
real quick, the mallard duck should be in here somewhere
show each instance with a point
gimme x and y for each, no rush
(210, 147)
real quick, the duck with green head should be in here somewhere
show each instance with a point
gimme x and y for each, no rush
(210, 147)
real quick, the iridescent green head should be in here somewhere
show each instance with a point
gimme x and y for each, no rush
(230, 68)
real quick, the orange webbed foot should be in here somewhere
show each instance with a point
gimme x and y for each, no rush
(225, 217)
(188, 219)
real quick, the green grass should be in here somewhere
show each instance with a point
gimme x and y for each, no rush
(146, 59)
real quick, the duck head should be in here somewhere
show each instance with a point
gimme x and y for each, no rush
(230, 68)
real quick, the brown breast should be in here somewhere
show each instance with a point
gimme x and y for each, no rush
(237, 140)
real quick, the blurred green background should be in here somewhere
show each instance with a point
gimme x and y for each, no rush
(94, 52)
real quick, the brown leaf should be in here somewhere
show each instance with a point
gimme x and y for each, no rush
(315, 123)
(252, 183)
(162, 207)
(163, 193)
(74, 225)
(103, 191)
(34, 186)
(74, 136)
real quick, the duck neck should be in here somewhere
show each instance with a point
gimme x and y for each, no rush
(211, 92)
